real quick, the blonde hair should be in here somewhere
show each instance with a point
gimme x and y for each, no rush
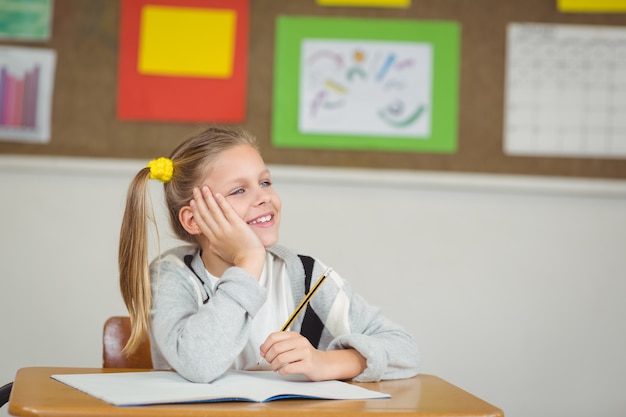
(191, 161)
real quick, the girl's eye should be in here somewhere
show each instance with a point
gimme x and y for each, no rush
(266, 184)
(237, 191)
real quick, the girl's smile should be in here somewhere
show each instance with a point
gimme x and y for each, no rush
(263, 221)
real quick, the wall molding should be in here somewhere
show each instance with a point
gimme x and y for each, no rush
(438, 181)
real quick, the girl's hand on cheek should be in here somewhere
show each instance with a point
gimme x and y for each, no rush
(229, 236)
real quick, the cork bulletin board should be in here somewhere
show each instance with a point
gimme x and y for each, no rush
(85, 36)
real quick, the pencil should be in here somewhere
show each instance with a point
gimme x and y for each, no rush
(306, 300)
(303, 303)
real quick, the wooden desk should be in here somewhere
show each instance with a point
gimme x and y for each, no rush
(36, 394)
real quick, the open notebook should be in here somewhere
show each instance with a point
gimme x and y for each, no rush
(164, 387)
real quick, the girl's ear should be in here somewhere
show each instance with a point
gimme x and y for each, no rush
(187, 220)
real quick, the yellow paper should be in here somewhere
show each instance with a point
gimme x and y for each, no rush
(366, 3)
(597, 6)
(184, 41)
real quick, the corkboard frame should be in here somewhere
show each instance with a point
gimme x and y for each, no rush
(84, 123)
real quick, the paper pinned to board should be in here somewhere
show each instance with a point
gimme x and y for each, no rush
(592, 6)
(366, 3)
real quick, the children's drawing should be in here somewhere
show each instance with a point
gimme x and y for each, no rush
(365, 87)
(26, 88)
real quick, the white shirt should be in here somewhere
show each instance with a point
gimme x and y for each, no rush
(273, 314)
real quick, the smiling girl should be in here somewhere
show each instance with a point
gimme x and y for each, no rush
(217, 303)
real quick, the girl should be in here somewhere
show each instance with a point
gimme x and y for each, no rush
(218, 303)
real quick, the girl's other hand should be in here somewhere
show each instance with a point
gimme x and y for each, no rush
(292, 353)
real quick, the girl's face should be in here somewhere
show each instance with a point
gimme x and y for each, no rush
(240, 175)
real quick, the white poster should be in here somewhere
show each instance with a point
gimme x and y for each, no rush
(565, 91)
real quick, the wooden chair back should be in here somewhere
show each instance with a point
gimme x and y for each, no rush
(114, 338)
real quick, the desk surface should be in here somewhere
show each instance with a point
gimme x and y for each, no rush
(36, 394)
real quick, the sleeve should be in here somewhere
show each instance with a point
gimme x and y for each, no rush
(201, 342)
(390, 351)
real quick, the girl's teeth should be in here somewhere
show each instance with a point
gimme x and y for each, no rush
(261, 220)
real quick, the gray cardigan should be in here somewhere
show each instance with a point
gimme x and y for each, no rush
(201, 336)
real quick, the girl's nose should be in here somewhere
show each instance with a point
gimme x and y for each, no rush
(263, 196)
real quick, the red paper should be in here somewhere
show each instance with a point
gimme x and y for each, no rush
(181, 98)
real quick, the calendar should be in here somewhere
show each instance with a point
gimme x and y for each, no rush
(565, 91)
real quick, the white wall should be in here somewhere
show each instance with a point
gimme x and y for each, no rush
(513, 286)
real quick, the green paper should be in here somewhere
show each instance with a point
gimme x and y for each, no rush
(443, 38)
(25, 19)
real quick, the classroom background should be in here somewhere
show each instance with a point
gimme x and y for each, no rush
(508, 269)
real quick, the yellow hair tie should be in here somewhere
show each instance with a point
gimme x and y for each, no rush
(161, 169)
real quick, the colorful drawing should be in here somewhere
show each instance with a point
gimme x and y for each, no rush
(365, 87)
(26, 84)
(348, 83)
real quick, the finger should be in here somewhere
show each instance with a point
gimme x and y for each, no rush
(214, 209)
(288, 357)
(212, 212)
(201, 213)
(298, 361)
(227, 210)
(274, 338)
(290, 347)
(281, 360)
(293, 368)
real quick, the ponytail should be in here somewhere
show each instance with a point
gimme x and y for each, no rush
(133, 260)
